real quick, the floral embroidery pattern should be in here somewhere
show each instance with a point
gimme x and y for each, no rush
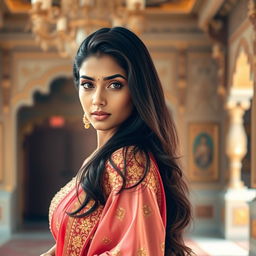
(120, 213)
(106, 240)
(135, 168)
(146, 210)
(142, 252)
(80, 229)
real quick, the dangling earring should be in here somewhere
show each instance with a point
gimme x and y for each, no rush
(86, 122)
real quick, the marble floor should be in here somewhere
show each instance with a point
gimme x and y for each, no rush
(31, 243)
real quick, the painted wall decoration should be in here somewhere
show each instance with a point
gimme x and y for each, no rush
(203, 152)
(204, 211)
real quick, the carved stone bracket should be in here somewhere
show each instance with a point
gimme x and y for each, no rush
(182, 79)
(6, 80)
(252, 12)
(218, 34)
(252, 18)
(219, 54)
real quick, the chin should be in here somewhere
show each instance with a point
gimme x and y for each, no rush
(102, 127)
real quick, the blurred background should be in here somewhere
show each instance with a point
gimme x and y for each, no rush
(204, 52)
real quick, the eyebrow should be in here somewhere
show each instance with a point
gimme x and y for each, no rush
(105, 78)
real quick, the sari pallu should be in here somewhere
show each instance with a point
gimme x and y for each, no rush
(130, 223)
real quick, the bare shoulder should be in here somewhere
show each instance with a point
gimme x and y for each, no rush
(132, 164)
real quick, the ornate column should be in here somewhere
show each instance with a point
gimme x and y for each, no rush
(236, 142)
(252, 205)
(236, 196)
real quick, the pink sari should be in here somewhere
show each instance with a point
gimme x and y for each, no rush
(130, 223)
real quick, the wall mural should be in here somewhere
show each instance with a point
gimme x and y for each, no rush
(203, 152)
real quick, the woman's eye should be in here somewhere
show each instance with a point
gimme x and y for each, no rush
(116, 86)
(87, 85)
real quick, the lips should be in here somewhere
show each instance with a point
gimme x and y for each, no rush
(100, 115)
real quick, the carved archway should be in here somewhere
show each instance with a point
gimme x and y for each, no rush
(242, 55)
(25, 98)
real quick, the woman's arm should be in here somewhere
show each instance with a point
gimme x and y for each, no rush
(50, 252)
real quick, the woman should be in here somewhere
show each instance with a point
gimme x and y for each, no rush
(129, 197)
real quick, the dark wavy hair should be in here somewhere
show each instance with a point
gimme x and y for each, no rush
(150, 128)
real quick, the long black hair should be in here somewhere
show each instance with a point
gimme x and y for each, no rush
(150, 128)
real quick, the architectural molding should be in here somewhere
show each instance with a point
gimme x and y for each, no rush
(207, 12)
(41, 84)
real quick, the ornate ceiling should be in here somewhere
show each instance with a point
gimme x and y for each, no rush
(152, 6)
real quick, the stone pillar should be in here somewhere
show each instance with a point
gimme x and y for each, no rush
(252, 246)
(237, 196)
(236, 142)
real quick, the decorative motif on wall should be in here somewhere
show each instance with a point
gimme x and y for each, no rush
(219, 54)
(203, 152)
(204, 211)
(240, 216)
(202, 97)
(165, 65)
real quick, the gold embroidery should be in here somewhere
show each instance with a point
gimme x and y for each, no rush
(135, 168)
(142, 252)
(81, 227)
(77, 241)
(162, 246)
(58, 198)
(116, 252)
(146, 210)
(85, 224)
(120, 213)
(58, 224)
(106, 240)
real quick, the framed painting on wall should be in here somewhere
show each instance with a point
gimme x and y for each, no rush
(203, 152)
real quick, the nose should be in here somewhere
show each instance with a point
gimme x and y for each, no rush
(98, 98)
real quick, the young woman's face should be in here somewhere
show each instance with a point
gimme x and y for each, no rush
(104, 92)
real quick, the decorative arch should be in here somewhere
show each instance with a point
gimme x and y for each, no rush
(42, 84)
(25, 98)
(242, 71)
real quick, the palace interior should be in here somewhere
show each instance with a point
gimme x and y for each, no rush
(204, 52)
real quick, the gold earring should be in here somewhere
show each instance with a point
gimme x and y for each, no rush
(86, 122)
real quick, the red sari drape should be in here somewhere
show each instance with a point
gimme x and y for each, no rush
(130, 223)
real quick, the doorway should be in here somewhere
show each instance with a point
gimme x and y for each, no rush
(52, 147)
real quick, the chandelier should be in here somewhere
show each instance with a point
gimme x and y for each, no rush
(63, 24)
